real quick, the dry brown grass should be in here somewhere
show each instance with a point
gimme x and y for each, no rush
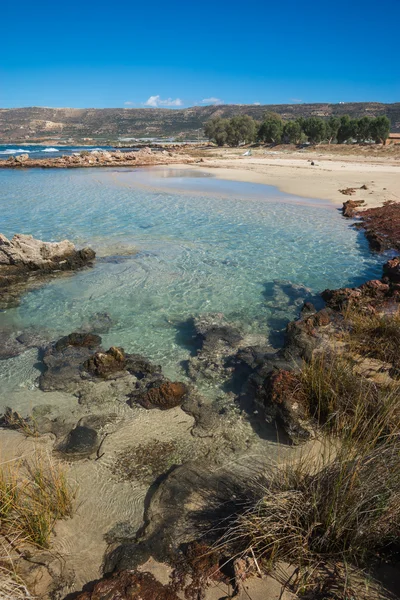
(342, 508)
(12, 587)
(347, 404)
(344, 513)
(32, 498)
(375, 335)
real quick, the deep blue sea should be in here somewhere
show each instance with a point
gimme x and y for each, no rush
(175, 244)
(36, 151)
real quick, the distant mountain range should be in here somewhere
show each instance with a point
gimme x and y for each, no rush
(111, 124)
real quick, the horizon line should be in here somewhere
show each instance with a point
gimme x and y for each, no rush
(216, 106)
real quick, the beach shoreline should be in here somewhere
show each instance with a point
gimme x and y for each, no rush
(295, 174)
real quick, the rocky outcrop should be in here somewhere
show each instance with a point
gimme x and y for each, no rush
(304, 335)
(350, 207)
(26, 261)
(372, 295)
(100, 158)
(382, 226)
(77, 364)
(129, 585)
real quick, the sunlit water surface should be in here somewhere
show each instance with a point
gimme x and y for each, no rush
(174, 244)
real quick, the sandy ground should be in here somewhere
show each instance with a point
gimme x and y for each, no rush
(294, 174)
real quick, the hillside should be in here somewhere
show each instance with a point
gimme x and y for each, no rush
(73, 124)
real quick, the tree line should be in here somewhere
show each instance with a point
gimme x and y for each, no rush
(243, 129)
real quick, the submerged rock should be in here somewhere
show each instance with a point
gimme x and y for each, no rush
(14, 343)
(63, 361)
(159, 393)
(81, 440)
(25, 260)
(140, 367)
(217, 340)
(99, 322)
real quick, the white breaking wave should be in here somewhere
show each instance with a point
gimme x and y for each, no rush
(97, 150)
(50, 150)
(19, 151)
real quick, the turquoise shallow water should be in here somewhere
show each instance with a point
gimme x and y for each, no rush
(201, 245)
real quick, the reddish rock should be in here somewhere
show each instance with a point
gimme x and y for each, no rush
(350, 207)
(129, 585)
(104, 364)
(382, 226)
(321, 318)
(160, 393)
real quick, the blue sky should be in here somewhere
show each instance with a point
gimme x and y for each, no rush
(152, 53)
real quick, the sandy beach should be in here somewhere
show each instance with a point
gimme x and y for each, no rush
(293, 173)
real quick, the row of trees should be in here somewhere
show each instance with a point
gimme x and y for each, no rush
(243, 129)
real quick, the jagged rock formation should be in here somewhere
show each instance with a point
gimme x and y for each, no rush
(26, 261)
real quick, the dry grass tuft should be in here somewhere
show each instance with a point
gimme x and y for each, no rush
(347, 404)
(375, 335)
(344, 513)
(32, 498)
(11, 587)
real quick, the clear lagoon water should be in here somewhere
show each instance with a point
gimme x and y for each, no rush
(173, 245)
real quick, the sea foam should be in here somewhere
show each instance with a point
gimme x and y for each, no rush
(13, 151)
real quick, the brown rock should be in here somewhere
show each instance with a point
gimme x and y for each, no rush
(82, 340)
(348, 191)
(321, 318)
(129, 585)
(350, 207)
(161, 393)
(104, 364)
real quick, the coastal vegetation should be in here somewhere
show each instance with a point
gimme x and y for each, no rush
(274, 130)
(334, 514)
(32, 498)
(69, 125)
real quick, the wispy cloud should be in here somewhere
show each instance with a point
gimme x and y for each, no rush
(212, 100)
(257, 103)
(129, 103)
(297, 100)
(156, 101)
